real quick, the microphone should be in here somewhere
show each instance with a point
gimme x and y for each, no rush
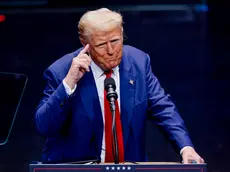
(111, 96)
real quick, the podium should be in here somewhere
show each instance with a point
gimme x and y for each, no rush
(127, 167)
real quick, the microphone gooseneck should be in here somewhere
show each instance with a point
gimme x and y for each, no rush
(111, 96)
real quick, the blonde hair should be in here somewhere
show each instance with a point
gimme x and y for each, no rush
(102, 19)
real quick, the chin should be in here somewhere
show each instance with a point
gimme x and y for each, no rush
(110, 65)
(113, 65)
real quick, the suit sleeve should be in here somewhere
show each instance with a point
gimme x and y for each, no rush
(163, 112)
(52, 110)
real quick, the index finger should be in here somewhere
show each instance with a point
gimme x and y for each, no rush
(85, 49)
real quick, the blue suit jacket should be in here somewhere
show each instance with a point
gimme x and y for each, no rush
(73, 125)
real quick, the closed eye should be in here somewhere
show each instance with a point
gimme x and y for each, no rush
(101, 44)
(114, 40)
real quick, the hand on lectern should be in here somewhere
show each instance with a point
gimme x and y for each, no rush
(190, 156)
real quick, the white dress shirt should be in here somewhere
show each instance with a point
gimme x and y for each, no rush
(99, 78)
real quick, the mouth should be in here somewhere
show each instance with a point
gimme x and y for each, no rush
(111, 59)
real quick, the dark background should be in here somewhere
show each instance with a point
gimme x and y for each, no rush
(189, 48)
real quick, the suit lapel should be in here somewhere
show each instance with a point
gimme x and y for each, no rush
(127, 95)
(89, 97)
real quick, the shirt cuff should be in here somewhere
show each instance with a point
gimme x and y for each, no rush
(182, 150)
(68, 89)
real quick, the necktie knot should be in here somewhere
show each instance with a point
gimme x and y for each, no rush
(108, 73)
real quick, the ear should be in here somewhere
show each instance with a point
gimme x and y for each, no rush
(83, 42)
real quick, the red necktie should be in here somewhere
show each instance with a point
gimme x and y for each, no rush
(109, 157)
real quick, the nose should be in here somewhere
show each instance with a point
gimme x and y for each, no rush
(110, 49)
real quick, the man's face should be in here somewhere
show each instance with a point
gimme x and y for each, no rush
(106, 48)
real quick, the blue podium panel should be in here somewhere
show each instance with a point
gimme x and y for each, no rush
(151, 167)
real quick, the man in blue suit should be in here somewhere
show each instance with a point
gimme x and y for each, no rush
(72, 114)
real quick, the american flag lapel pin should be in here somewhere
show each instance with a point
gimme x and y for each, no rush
(131, 81)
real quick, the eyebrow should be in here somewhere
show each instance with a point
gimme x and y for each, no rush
(99, 44)
(111, 40)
